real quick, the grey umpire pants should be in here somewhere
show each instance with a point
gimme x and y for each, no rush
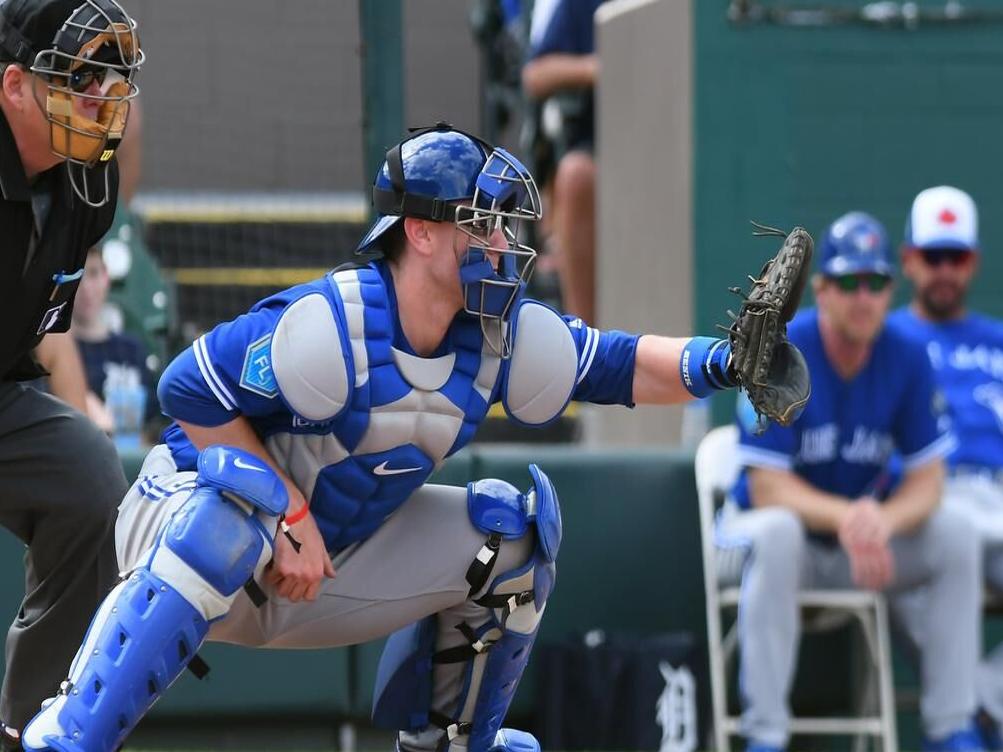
(60, 482)
(768, 551)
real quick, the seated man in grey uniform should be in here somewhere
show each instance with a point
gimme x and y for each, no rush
(813, 507)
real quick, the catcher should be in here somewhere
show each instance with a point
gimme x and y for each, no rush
(302, 428)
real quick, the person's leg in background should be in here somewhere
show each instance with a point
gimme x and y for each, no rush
(574, 232)
(764, 550)
(940, 558)
(989, 676)
(976, 500)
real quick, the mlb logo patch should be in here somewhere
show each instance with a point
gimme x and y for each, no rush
(257, 375)
(50, 318)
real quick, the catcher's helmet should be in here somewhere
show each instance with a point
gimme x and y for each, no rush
(855, 243)
(73, 45)
(446, 175)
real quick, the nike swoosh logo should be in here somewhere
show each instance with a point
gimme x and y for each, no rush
(382, 469)
(237, 462)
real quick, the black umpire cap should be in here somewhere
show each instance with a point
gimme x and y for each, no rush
(29, 26)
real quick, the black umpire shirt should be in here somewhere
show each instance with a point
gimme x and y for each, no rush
(45, 232)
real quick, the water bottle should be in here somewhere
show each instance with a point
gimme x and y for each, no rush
(125, 398)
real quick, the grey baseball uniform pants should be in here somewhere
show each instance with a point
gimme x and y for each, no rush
(768, 552)
(60, 481)
(413, 566)
(980, 500)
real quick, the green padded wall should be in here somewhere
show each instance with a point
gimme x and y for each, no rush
(796, 126)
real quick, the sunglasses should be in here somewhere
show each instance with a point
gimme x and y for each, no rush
(81, 79)
(853, 282)
(937, 256)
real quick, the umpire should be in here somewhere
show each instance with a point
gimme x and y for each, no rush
(66, 80)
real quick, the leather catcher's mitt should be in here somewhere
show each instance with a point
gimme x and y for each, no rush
(764, 363)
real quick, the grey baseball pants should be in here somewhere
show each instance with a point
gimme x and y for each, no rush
(60, 481)
(768, 552)
(980, 500)
(413, 566)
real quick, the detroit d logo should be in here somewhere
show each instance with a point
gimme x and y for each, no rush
(50, 318)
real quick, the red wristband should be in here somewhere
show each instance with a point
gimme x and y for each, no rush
(292, 519)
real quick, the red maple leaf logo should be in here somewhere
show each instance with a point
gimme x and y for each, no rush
(947, 217)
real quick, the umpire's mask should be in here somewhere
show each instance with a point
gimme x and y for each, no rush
(93, 55)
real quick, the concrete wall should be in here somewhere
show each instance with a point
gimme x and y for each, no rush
(645, 203)
(266, 94)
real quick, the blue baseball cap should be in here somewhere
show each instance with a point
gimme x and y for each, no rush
(856, 243)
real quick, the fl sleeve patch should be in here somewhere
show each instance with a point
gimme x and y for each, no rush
(257, 375)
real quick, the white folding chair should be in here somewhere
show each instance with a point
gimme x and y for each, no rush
(716, 469)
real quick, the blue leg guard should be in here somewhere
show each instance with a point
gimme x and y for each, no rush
(497, 649)
(151, 625)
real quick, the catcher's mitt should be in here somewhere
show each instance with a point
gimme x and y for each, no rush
(764, 363)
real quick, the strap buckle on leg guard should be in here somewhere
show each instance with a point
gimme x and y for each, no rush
(478, 642)
(451, 728)
(507, 602)
(481, 567)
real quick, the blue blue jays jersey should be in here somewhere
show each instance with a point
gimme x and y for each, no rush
(350, 412)
(850, 429)
(967, 357)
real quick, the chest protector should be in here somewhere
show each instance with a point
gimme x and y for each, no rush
(370, 421)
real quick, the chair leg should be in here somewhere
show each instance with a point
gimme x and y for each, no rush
(722, 739)
(889, 740)
(868, 665)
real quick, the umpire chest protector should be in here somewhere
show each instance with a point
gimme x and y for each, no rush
(370, 422)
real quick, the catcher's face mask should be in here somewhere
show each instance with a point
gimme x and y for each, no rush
(446, 175)
(94, 57)
(497, 222)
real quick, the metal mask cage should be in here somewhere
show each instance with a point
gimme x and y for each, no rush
(56, 66)
(510, 211)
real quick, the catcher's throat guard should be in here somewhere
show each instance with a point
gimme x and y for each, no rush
(770, 369)
(499, 262)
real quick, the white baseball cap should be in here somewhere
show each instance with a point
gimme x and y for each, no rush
(943, 217)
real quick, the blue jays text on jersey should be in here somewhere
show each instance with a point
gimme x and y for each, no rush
(849, 430)
(358, 420)
(967, 357)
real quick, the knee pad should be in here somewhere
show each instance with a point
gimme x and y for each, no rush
(497, 650)
(152, 624)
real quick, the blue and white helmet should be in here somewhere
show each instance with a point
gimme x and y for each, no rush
(446, 175)
(856, 243)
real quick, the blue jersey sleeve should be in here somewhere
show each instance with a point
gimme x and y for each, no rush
(921, 430)
(605, 364)
(776, 447)
(569, 29)
(224, 373)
